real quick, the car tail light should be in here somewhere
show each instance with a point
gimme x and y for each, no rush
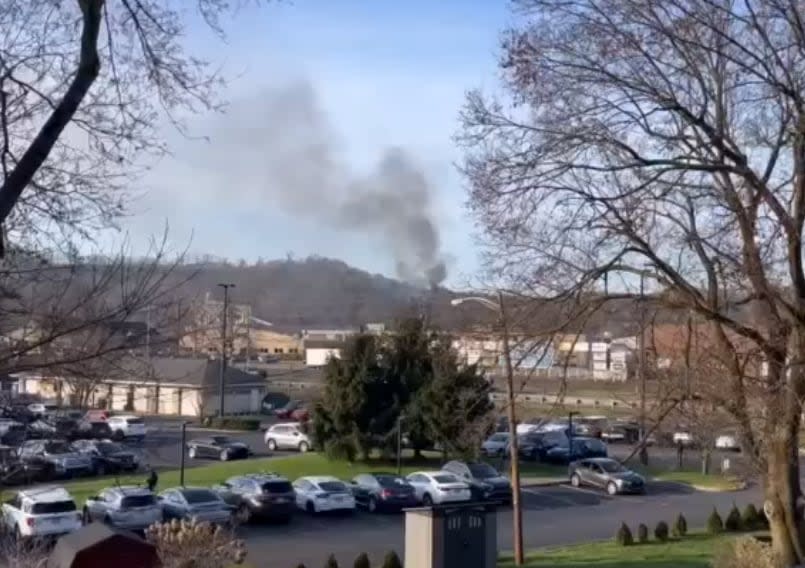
(385, 494)
(30, 521)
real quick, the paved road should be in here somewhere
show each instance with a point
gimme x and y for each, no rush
(551, 516)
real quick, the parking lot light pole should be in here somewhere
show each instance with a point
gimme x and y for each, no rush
(514, 451)
(222, 370)
(570, 416)
(184, 449)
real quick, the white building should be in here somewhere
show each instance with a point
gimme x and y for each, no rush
(318, 352)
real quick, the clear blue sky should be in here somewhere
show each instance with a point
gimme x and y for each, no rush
(384, 73)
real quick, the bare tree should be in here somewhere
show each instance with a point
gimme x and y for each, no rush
(84, 85)
(670, 137)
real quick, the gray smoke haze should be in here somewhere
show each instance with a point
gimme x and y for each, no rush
(279, 148)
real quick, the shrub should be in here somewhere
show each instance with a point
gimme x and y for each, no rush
(392, 560)
(661, 531)
(362, 561)
(743, 552)
(733, 522)
(680, 526)
(233, 423)
(714, 523)
(751, 518)
(192, 544)
(331, 562)
(624, 536)
(642, 533)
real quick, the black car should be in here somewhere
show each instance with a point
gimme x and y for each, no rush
(383, 492)
(107, 456)
(14, 471)
(261, 495)
(579, 449)
(94, 430)
(535, 445)
(486, 483)
(222, 448)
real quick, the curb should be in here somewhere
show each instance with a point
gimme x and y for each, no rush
(542, 481)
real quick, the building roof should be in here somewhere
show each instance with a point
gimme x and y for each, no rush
(324, 344)
(96, 543)
(197, 372)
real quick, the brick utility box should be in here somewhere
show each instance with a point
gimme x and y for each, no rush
(451, 536)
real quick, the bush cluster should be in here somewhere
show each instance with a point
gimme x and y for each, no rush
(661, 531)
(624, 536)
(391, 560)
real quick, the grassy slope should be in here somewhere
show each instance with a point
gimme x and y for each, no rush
(693, 552)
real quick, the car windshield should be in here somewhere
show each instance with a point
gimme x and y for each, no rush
(332, 486)
(390, 480)
(277, 487)
(57, 448)
(221, 439)
(611, 466)
(445, 478)
(137, 501)
(107, 448)
(482, 470)
(54, 507)
(196, 496)
(134, 421)
(499, 438)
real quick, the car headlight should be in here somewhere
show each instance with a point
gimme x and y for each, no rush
(619, 482)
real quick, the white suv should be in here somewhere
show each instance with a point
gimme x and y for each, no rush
(41, 511)
(288, 436)
(125, 426)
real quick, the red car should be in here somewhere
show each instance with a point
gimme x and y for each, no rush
(286, 411)
(96, 415)
(300, 414)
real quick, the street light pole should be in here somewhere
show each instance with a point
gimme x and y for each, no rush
(514, 451)
(222, 366)
(184, 449)
(641, 367)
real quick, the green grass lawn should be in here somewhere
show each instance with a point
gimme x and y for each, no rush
(712, 482)
(694, 551)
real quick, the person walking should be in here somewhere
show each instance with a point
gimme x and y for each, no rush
(152, 480)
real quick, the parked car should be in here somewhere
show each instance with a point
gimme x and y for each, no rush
(728, 441)
(486, 483)
(383, 492)
(273, 401)
(41, 512)
(40, 409)
(107, 456)
(197, 503)
(222, 448)
(323, 493)
(684, 438)
(12, 433)
(435, 487)
(126, 507)
(301, 414)
(621, 432)
(284, 412)
(264, 495)
(535, 445)
(579, 448)
(287, 436)
(496, 445)
(606, 473)
(96, 415)
(14, 471)
(125, 427)
(66, 461)
(94, 430)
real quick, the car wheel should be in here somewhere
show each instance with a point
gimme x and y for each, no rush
(612, 489)
(86, 518)
(224, 456)
(310, 507)
(303, 447)
(191, 453)
(427, 500)
(371, 506)
(272, 445)
(243, 515)
(575, 480)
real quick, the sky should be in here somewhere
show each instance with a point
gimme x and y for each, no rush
(372, 82)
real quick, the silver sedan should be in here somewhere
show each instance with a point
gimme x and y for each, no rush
(194, 502)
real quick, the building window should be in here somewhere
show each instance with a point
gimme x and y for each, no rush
(293, 350)
(263, 350)
(279, 350)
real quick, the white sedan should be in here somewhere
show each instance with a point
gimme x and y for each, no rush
(317, 494)
(434, 487)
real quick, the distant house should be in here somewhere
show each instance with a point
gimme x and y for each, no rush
(164, 385)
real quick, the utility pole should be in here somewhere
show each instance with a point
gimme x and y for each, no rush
(222, 366)
(399, 444)
(641, 368)
(183, 450)
(514, 447)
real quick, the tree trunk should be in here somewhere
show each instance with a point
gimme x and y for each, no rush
(705, 461)
(782, 493)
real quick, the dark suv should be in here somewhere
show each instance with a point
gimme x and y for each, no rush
(486, 483)
(264, 495)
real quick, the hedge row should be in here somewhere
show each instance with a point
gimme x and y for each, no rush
(232, 423)
(362, 561)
